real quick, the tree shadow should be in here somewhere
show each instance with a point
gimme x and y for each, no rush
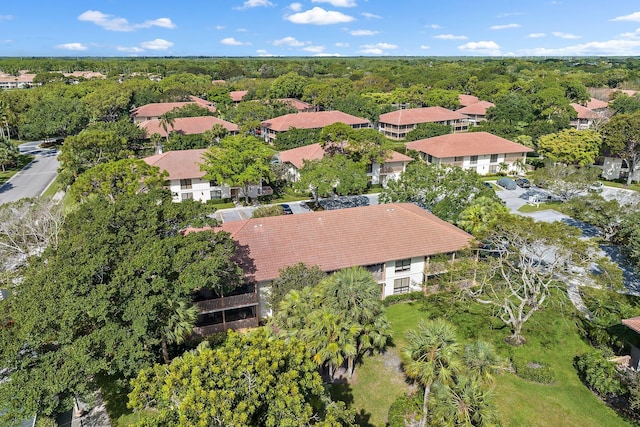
(340, 390)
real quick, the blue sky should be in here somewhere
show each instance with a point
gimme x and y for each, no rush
(320, 28)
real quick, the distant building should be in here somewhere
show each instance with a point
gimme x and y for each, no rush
(155, 110)
(310, 120)
(396, 124)
(187, 126)
(480, 151)
(477, 112)
(391, 169)
(585, 118)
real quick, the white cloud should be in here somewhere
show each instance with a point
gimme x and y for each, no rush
(371, 51)
(634, 17)
(504, 27)
(536, 35)
(380, 46)
(424, 46)
(565, 35)
(157, 44)
(434, 26)
(72, 46)
(449, 37)
(327, 54)
(6, 17)
(481, 47)
(219, 27)
(288, 41)
(337, 3)
(254, 3)
(115, 23)
(596, 48)
(342, 44)
(633, 35)
(363, 32)
(133, 49)
(314, 49)
(262, 52)
(242, 30)
(371, 15)
(296, 7)
(319, 16)
(6, 41)
(230, 41)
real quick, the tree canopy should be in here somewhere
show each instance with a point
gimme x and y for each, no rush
(571, 147)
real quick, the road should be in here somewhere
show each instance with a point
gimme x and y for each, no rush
(34, 178)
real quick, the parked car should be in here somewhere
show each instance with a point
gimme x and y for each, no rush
(488, 185)
(596, 187)
(507, 183)
(522, 182)
(286, 209)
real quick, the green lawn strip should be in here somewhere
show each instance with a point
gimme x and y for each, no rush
(552, 339)
(633, 186)
(52, 189)
(23, 160)
(528, 208)
(375, 386)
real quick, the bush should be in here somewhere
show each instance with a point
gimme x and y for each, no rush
(218, 201)
(264, 211)
(405, 408)
(533, 371)
(598, 373)
(410, 296)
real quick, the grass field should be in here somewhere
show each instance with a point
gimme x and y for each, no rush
(552, 339)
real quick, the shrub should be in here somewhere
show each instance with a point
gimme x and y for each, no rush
(409, 296)
(598, 373)
(264, 211)
(533, 371)
(405, 410)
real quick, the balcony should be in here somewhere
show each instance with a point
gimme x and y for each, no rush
(226, 303)
(203, 331)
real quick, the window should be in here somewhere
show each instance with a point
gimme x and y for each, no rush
(401, 286)
(429, 158)
(216, 194)
(493, 169)
(186, 196)
(213, 184)
(403, 265)
(473, 160)
(370, 168)
(458, 159)
(494, 158)
(185, 184)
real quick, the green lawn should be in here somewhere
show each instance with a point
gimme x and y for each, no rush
(541, 207)
(23, 160)
(634, 186)
(552, 338)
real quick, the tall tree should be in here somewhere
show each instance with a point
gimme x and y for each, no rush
(53, 116)
(108, 283)
(238, 161)
(445, 191)
(295, 277)
(622, 138)
(332, 173)
(251, 380)
(9, 153)
(431, 355)
(129, 176)
(571, 147)
(428, 130)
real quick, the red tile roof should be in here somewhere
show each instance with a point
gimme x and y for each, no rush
(296, 156)
(343, 238)
(633, 324)
(237, 95)
(296, 103)
(584, 112)
(477, 109)
(312, 120)
(596, 104)
(187, 125)
(181, 164)
(159, 108)
(466, 100)
(413, 116)
(466, 144)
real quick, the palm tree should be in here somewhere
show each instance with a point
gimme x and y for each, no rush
(4, 120)
(481, 358)
(355, 294)
(179, 325)
(9, 153)
(156, 140)
(166, 123)
(466, 402)
(431, 355)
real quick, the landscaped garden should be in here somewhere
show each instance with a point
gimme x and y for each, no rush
(553, 341)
